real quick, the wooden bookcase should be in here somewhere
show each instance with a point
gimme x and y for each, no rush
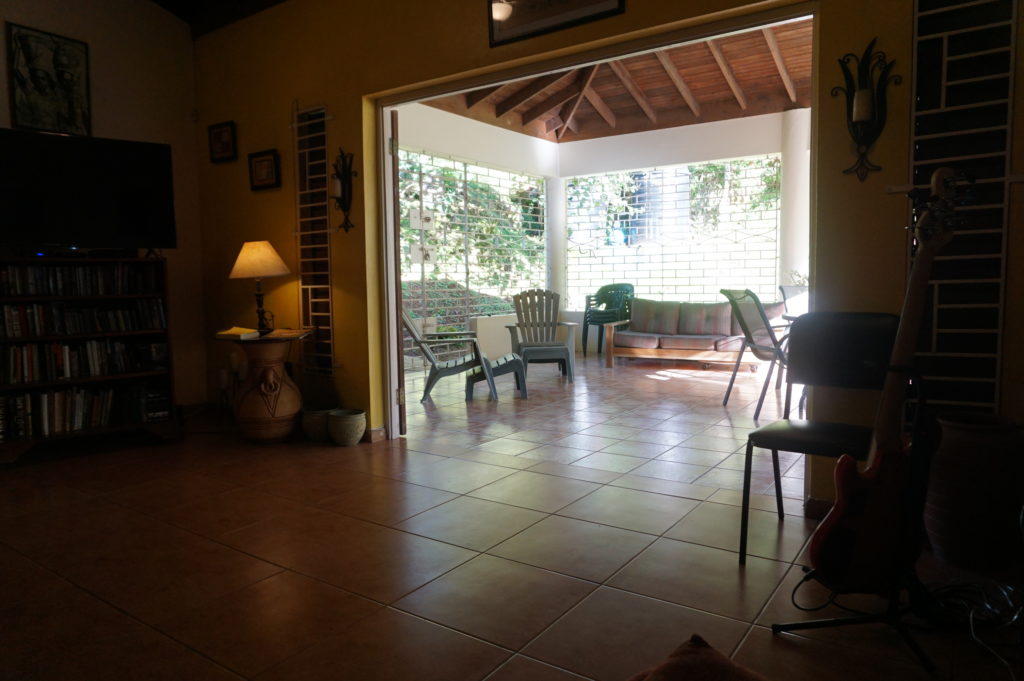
(84, 349)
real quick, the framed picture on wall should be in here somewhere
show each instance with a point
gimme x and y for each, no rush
(264, 170)
(48, 80)
(511, 20)
(223, 143)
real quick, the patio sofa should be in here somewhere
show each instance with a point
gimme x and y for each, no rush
(662, 329)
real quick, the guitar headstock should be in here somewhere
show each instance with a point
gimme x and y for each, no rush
(935, 215)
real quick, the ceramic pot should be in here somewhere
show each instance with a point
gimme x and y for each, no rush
(346, 426)
(314, 424)
(975, 492)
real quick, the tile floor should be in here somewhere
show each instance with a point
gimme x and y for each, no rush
(580, 534)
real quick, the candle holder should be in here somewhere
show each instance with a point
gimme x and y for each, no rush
(341, 186)
(865, 102)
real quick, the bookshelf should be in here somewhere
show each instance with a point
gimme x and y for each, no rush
(84, 349)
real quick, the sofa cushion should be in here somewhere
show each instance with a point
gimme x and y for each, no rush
(697, 319)
(636, 339)
(654, 316)
(729, 343)
(689, 342)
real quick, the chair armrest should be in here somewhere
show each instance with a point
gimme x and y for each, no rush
(591, 299)
(568, 323)
(612, 325)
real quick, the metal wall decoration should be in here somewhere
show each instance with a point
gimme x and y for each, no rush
(48, 77)
(342, 186)
(865, 102)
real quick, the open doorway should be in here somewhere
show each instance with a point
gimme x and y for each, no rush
(488, 177)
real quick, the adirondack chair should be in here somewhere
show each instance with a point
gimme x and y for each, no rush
(441, 368)
(533, 335)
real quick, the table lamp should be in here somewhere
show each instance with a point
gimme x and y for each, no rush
(258, 260)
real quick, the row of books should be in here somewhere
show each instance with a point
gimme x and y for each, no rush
(55, 361)
(95, 279)
(47, 414)
(57, 319)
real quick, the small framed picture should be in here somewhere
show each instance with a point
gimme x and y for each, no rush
(48, 79)
(223, 143)
(264, 170)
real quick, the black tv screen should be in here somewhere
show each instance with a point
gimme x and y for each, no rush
(62, 192)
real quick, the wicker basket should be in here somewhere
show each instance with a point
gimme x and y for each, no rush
(346, 426)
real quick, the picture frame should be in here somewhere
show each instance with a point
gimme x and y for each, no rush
(520, 19)
(48, 81)
(223, 142)
(264, 170)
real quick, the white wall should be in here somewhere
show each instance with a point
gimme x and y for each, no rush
(141, 88)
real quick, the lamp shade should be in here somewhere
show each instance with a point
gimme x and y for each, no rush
(258, 260)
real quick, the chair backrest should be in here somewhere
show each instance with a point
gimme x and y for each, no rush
(753, 320)
(794, 297)
(613, 296)
(417, 338)
(841, 349)
(536, 315)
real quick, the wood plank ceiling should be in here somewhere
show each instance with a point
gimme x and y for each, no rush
(761, 71)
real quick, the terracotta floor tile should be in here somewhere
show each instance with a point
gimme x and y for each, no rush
(659, 486)
(507, 445)
(473, 523)
(392, 646)
(604, 461)
(795, 658)
(172, 491)
(612, 635)
(659, 437)
(762, 502)
(574, 547)
(643, 450)
(521, 668)
(715, 444)
(537, 491)
(220, 513)
(252, 629)
(385, 501)
(718, 525)
(702, 577)
(456, 475)
(469, 597)
(630, 509)
(612, 431)
(570, 471)
(695, 457)
(564, 455)
(670, 470)
(373, 561)
(21, 493)
(537, 436)
(494, 459)
(590, 443)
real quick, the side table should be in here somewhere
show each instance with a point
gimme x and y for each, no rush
(268, 401)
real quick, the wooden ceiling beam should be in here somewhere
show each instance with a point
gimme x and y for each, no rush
(726, 70)
(633, 89)
(529, 92)
(553, 102)
(476, 96)
(677, 80)
(552, 123)
(603, 110)
(780, 64)
(569, 112)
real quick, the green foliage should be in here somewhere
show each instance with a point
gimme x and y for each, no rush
(610, 196)
(710, 183)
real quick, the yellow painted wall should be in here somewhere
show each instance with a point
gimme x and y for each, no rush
(344, 55)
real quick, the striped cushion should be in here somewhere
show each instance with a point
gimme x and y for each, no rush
(702, 319)
(654, 316)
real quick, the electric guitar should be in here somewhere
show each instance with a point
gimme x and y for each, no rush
(869, 541)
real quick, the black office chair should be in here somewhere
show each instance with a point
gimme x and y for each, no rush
(833, 349)
(758, 336)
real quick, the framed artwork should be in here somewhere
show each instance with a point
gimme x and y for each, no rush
(512, 20)
(264, 170)
(223, 143)
(48, 79)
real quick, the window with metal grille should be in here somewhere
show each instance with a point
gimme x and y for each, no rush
(471, 237)
(676, 232)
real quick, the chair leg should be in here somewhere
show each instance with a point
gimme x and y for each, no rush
(432, 378)
(521, 380)
(778, 482)
(745, 513)
(571, 365)
(735, 370)
(586, 327)
(764, 389)
(600, 339)
(485, 367)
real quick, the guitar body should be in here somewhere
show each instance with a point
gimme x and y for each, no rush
(863, 545)
(869, 541)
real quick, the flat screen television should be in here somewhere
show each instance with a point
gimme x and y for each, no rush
(59, 192)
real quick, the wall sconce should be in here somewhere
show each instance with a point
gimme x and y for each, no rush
(341, 186)
(258, 260)
(865, 102)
